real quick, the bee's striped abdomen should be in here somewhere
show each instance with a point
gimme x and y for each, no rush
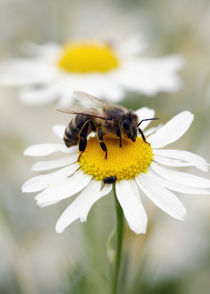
(73, 129)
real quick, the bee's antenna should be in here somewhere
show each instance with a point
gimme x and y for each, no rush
(155, 118)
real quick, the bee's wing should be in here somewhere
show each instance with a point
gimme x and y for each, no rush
(86, 111)
(89, 100)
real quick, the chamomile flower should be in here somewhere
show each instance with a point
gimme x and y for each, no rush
(140, 168)
(95, 67)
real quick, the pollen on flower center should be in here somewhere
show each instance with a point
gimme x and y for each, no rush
(88, 58)
(124, 162)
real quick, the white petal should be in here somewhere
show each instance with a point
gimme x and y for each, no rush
(99, 85)
(144, 113)
(46, 149)
(95, 196)
(152, 130)
(51, 164)
(36, 96)
(106, 189)
(69, 150)
(42, 149)
(131, 47)
(52, 49)
(22, 72)
(176, 187)
(150, 75)
(59, 130)
(172, 130)
(78, 207)
(65, 98)
(129, 199)
(64, 189)
(178, 177)
(171, 162)
(161, 197)
(39, 183)
(35, 184)
(186, 156)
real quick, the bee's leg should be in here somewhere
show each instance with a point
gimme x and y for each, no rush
(142, 134)
(101, 140)
(83, 138)
(118, 132)
(92, 126)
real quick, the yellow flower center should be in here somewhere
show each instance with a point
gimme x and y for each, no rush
(88, 58)
(124, 162)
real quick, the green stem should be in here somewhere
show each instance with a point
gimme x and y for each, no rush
(119, 239)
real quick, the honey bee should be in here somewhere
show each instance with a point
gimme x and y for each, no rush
(103, 119)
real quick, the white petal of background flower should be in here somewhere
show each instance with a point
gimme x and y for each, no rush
(99, 85)
(149, 76)
(59, 130)
(132, 46)
(39, 95)
(172, 130)
(47, 50)
(21, 72)
(129, 198)
(161, 197)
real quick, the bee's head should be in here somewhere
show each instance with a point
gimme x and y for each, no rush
(129, 125)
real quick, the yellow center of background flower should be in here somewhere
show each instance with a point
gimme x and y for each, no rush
(124, 162)
(88, 58)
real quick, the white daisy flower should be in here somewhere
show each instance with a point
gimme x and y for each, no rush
(94, 67)
(140, 168)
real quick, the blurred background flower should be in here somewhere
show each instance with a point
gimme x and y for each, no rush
(97, 67)
(172, 257)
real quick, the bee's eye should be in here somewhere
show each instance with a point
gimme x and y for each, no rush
(125, 124)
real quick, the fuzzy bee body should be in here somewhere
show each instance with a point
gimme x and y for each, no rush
(104, 119)
(73, 130)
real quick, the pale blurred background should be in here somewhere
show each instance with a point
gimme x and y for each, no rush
(173, 257)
